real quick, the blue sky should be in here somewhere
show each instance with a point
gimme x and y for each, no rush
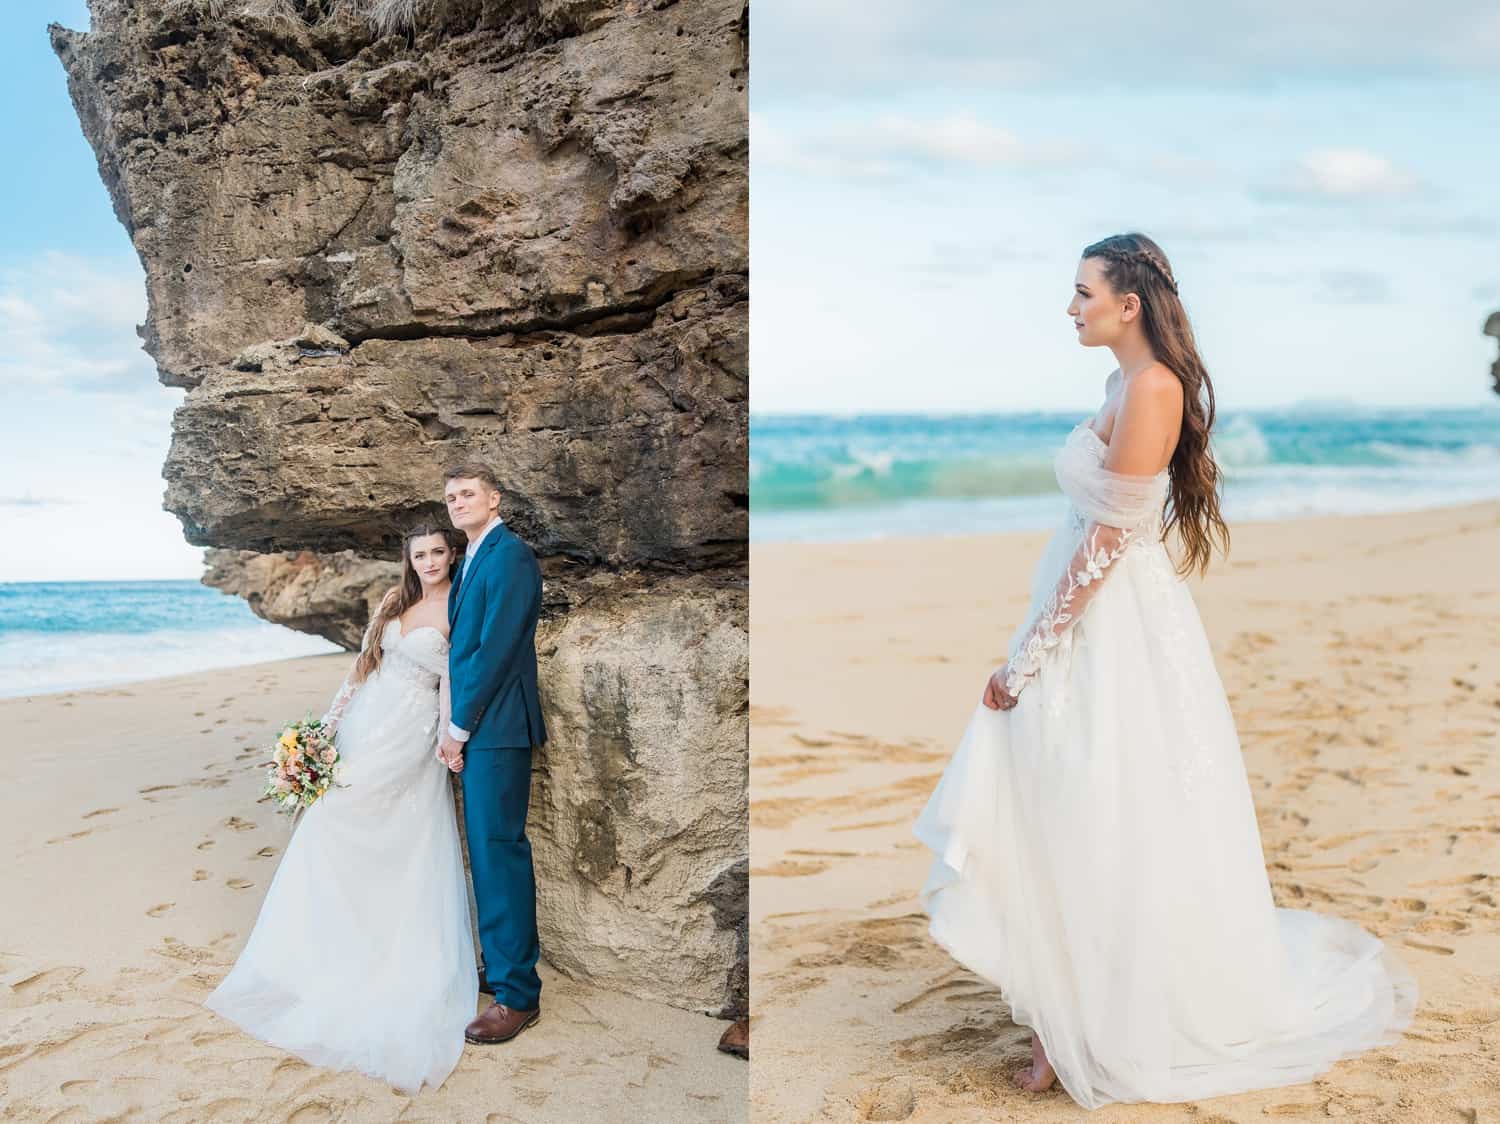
(923, 177)
(83, 420)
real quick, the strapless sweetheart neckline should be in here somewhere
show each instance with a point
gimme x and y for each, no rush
(408, 635)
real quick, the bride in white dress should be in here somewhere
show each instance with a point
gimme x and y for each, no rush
(1096, 852)
(362, 956)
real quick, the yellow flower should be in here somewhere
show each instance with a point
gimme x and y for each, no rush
(289, 739)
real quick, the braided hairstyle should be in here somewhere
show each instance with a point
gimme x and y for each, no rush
(1133, 263)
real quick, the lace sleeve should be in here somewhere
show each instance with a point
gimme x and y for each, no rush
(335, 712)
(1119, 509)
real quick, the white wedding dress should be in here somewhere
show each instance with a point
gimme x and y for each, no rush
(1097, 855)
(362, 956)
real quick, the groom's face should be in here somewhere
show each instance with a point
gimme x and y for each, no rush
(471, 503)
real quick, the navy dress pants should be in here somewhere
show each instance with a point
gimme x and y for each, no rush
(497, 791)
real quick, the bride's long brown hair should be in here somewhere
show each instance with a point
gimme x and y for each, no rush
(404, 594)
(1133, 263)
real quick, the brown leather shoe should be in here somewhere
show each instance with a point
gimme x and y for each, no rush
(736, 1039)
(499, 1024)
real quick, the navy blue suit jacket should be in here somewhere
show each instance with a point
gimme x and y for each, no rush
(492, 615)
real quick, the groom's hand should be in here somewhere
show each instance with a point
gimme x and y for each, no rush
(452, 753)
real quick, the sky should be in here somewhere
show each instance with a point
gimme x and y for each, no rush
(923, 177)
(84, 423)
(1322, 176)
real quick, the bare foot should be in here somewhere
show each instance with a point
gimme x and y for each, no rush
(1039, 1075)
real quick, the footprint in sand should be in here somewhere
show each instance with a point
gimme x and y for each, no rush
(65, 838)
(786, 868)
(201, 875)
(46, 979)
(311, 1112)
(99, 812)
(205, 845)
(1441, 925)
(950, 991)
(1439, 949)
(159, 910)
(265, 852)
(892, 1099)
(239, 824)
(238, 884)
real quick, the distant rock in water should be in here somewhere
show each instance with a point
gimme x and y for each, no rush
(514, 233)
(1492, 328)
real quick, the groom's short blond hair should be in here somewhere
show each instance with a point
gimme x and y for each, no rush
(473, 470)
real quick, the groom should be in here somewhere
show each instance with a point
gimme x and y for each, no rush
(492, 613)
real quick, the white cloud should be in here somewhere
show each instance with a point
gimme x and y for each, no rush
(890, 145)
(1355, 286)
(26, 499)
(845, 46)
(1344, 174)
(68, 322)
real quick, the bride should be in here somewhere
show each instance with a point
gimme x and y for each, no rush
(1096, 849)
(362, 956)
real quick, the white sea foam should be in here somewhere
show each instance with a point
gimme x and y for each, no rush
(34, 663)
(1239, 441)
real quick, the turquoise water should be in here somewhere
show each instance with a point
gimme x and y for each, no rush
(819, 477)
(58, 636)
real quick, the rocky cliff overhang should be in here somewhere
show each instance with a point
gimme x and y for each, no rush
(513, 232)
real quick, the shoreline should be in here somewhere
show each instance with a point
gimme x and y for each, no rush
(161, 680)
(1357, 656)
(882, 537)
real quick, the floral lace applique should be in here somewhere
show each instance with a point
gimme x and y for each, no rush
(1101, 547)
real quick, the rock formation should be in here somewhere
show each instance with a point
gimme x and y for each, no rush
(332, 595)
(1492, 328)
(517, 232)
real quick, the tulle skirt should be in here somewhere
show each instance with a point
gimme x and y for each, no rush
(362, 956)
(1097, 857)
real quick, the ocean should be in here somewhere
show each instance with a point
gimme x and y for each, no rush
(824, 478)
(61, 636)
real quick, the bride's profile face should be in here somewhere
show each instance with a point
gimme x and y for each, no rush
(431, 558)
(1100, 315)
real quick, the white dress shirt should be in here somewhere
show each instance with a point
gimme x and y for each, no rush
(454, 732)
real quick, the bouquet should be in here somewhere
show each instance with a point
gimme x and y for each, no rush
(304, 765)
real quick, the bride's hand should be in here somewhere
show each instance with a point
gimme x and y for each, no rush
(995, 696)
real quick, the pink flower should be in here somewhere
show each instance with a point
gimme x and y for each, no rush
(283, 785)
(329, 756)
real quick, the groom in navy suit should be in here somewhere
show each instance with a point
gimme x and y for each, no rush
(497, 719)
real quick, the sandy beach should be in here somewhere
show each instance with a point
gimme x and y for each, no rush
(138, 858)
(1360, 659)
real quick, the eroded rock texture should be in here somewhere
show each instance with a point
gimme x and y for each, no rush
(331, 595)
(516, 234)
